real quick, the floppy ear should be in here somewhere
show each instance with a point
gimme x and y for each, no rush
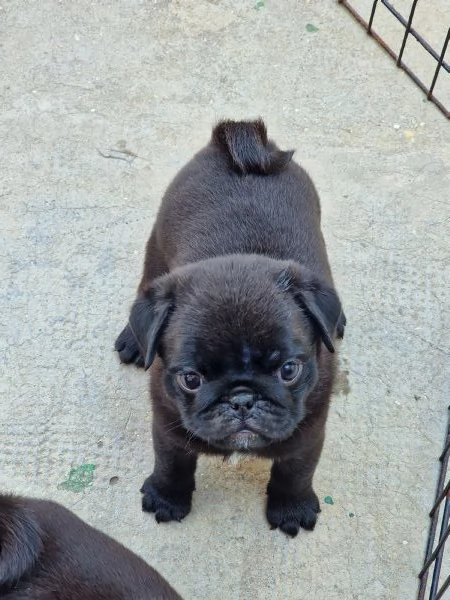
(319, 300)
(20, 540)
(148, 318)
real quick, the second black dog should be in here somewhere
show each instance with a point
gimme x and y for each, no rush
(47, 553)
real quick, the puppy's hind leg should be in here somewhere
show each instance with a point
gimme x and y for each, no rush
(340, 329)
(128, 349)
(126, 344)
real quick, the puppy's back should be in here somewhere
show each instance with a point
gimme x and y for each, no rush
(241, 194)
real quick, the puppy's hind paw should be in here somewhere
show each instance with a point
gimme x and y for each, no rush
(166, 509)
(290, 514)
(128, 349)
(340, 328)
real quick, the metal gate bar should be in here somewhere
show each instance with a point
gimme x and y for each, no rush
(442, 65)
(435, 556)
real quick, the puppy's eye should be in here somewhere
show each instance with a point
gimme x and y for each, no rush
(189, 381)
(290, 371)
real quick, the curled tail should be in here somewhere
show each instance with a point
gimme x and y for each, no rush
(20, 540)
(246, 144)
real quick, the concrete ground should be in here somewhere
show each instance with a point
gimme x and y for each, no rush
(102, 102)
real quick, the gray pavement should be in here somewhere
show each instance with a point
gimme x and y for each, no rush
(81, 82)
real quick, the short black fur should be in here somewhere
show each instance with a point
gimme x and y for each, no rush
(47, 553)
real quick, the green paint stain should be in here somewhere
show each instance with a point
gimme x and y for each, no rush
(310, 28)
(78, 479)
(351, 515)
(328, 500)
(259, 4)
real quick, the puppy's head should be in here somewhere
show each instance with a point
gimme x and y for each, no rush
(239, 337)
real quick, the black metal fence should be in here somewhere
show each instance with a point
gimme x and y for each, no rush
(440, 68)
(433, 583)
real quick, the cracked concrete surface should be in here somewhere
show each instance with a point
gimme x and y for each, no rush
(102, 102)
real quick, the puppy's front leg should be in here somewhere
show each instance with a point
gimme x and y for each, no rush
(291, 500)
(168, 490)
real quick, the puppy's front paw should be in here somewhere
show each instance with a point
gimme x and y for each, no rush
(172, 508)
(128, 348)
(289, 513)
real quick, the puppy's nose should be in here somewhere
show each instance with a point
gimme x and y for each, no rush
(242, 399)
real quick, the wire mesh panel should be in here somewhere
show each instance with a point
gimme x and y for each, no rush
(419, 32)
(435, 574)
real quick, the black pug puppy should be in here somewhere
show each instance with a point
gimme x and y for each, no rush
(47, 553)
(237, 314)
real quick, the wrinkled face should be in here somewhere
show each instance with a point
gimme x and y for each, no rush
(240, 364)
